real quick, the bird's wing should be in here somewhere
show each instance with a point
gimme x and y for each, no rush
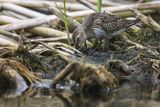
(106, 18)
(117, 26)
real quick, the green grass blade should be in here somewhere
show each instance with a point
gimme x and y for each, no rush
(66, 22)
(99, 5)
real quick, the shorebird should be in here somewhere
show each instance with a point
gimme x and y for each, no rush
(101, 26)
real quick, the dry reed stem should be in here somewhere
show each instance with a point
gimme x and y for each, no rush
(147, 20)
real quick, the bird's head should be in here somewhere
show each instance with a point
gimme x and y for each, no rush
(79, 37)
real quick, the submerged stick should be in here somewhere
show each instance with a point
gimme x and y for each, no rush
(65, 72)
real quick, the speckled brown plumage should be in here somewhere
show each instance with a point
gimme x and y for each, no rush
(100, 25)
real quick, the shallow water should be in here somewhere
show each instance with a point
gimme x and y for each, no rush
(42, 96)
(66, 100)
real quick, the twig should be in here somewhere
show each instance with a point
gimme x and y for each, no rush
(147, 20)
(68, 48)
(133, 59)
(139, 46)
(80, 14)
(120, 65)
(22, 10)
(66, 71)
(63, 47)
(39, 4)
(55, 39)
(119, 9)
(130, 14)
(28, 23)
(57, 12)
(9, 34)
(106, 3)
(87, 4)
(63, 55)
(116, 9)
(5, 41)
(42, 31)
(14, 14)
(6, 19)
(46, 32)
(140, 6)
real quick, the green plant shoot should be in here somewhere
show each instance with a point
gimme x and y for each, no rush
(99, 5)
(66, 22)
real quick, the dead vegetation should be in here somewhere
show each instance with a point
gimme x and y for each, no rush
(33, 44)
(90, 78)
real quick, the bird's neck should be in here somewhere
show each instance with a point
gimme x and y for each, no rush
(87, 24)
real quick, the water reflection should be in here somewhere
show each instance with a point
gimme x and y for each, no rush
(50, 98)
(127, 95)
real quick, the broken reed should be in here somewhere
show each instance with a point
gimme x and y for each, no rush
(99, 5)
(66, 22)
